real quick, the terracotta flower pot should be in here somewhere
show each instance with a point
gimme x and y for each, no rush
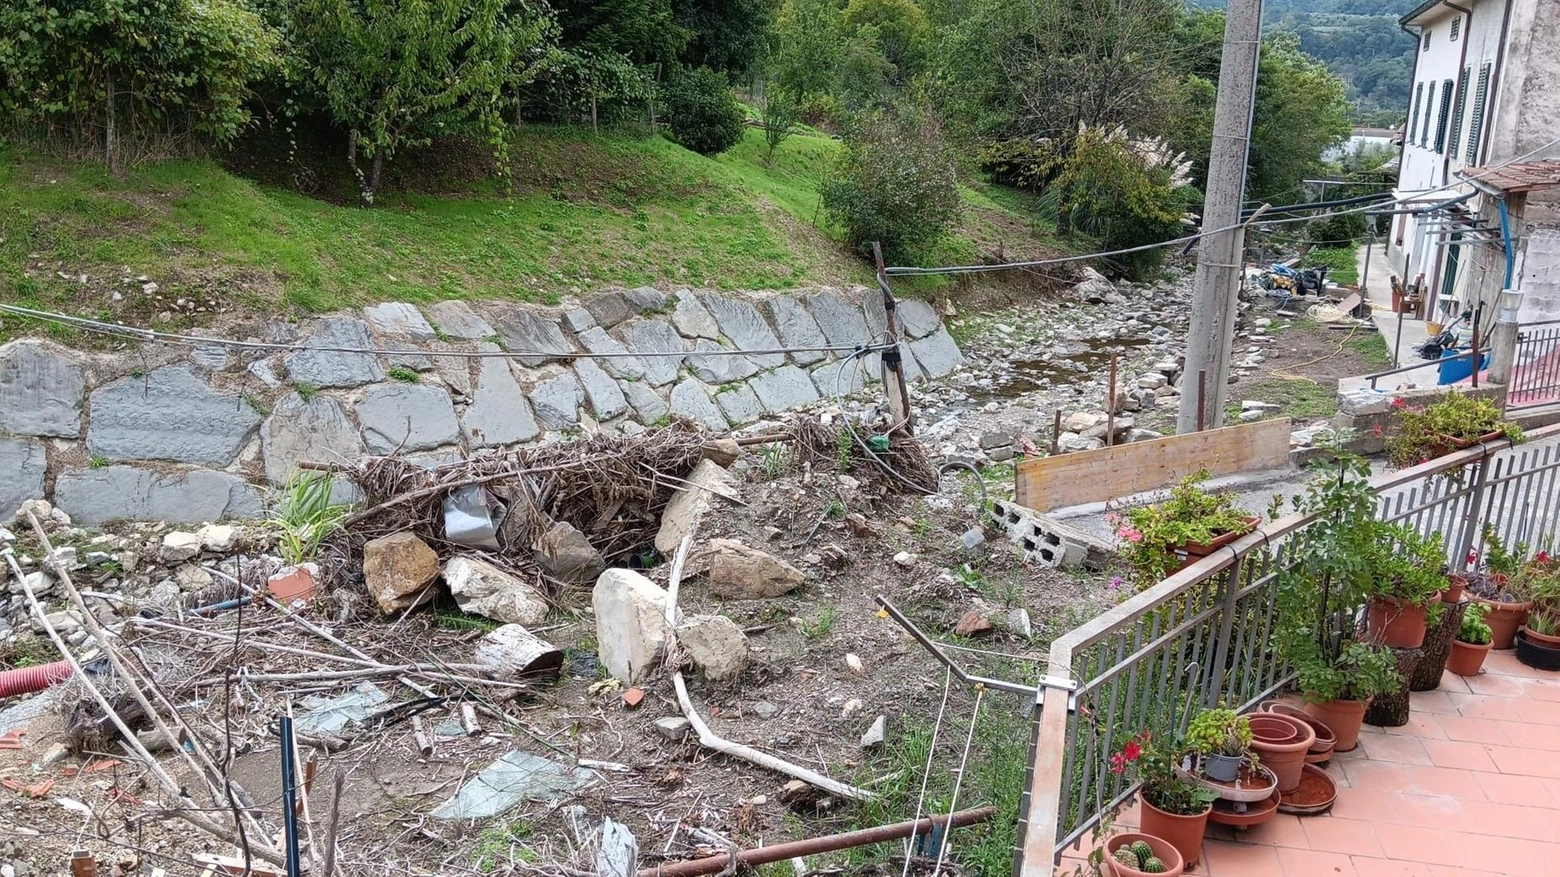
(1544, 639)
(1185, 833)
(1396, 623)
(1467, 658)
(1504, 619)
(1203, 549)
(1281, 742)
(1174, 863)
(1344, 717)
(1321, 751)
(1454, 589)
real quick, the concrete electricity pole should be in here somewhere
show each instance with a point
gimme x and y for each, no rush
(1219, 256)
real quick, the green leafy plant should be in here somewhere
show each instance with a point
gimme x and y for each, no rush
(1219, 732)
(1360, 671)
(819, 625)
(1474, 629)
(1404, 565)
(1442, 427)
(779, 119)
(1151, 534)
(303, 516)
(1154, 766)
(98, 461)
(306, 392)
(1545, 623)
(897, 183)
(403, 374)
(701, 114)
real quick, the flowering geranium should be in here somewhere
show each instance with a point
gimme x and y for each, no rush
(1151, 535)
(1154, 767)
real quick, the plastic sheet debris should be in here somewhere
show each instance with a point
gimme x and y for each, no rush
(472, 516)
(514, 777)
(331, 715)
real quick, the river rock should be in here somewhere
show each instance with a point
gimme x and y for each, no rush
(169, 414)
(739, 572)
(398, 569)
(40, 390)
(332, 368)
(406, 417)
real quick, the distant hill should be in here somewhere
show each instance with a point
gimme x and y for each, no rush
(1359, 40)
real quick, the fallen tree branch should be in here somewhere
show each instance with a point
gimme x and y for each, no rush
(708, 738)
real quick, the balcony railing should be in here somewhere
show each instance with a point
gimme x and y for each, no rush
(1204, 635)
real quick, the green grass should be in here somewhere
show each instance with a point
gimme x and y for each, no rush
(1340, 261)
(1370, 346)
(819, 625)
(1301, 399)
(583, 212)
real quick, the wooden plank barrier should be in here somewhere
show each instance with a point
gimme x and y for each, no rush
(1082, 477)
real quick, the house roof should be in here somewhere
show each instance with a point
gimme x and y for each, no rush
(1524, 176)
(1424, 8)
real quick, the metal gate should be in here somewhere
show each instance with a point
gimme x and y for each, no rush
(1535, 374)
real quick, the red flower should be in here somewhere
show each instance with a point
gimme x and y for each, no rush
(1133, 750)
(1472, 558)
(1542, 557)
(1118, 763)
(1399, 403)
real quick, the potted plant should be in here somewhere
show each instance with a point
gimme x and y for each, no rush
(1404, 582)
(1134, 854)
(1223, 739)
(1339, 690)
(1490, 586)
(1188, 523)
(1472, 643)
(1538, 642)
(1174, 807)
(1456, 421)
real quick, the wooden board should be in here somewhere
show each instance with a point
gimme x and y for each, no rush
(1109, 473)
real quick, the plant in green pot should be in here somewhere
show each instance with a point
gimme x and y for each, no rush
(1223, 739)
(1471, 644)
(1404, 582)
(1174, 807)
(1188, 523)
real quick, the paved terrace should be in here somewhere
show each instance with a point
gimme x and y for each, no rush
(1469, 787)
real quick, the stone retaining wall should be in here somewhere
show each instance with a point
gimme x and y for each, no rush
(189, 435)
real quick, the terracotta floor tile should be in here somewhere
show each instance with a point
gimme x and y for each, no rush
(1506, 663)
(1397, 808)
(1498, 686)
(1452, 682)
(1450, 871)
(1386, 868)
(1514, 789)
(1422, 725)
(1431, 702)
(1349, 836)
(1485, 706)
(1526, 762)
(1451, 753)
(1315, 863)
(1414, 779)
(1413, 844)
(1280, 831)
(1239, 860)
(1398, 750)
(1545, 690)
(1473, 730)
(1527, 736)
(1539, 712)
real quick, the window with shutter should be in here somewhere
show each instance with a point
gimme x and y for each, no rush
(1462, 103)
(1456, 29)
(1440, 119)
(1476, 124)
(1427, 41)
(1424, 133)
(1413, 116)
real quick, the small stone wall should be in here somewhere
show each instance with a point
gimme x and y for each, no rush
(1369, 414)
(191, 435)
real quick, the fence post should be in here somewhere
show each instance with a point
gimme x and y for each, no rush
(1475, 515)
(1040, 811)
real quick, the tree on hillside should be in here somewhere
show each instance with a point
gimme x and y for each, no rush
(897, 30)
(397, 73)
(896, 183)
(701, 114)
(726, 35)
(809, 47)
(1123, 192)
(111, 72)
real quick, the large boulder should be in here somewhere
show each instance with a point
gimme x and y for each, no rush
(738, 572)
(398, 569)
(483, 589)
(565, 554)
(630, 623)
(715, 644)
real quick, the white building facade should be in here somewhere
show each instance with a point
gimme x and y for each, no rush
(1486, 93)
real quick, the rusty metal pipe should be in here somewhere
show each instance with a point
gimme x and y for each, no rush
(826, 844)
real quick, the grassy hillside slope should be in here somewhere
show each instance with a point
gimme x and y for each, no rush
(581, 212)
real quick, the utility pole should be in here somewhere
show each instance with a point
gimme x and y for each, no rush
(1219, 255)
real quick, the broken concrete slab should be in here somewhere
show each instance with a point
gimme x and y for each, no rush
(317, 367)
(168, 414)
(738, 572)
(456, 319)
(41, 390)
(1048, 541)
(397, 570)
(481, 588)
(406, 417)
(630, 624)
(716, 645)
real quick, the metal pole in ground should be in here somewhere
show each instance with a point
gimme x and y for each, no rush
(893, 366)
(1110, 405)
(1218, 257)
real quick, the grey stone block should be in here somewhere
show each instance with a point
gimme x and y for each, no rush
(531, 338)
(456, 319)
(797, 328)
(614, 359)
(742, 324)
(211, 357)
(937, 354)
(606, 400)
(691, 319)
(648, 405)
(24, 464)
(719, 368)
(96, 496)
(330, 368)
(168, 414)
(557, 401)
(499, 413)
(739, 404)
(916, 318)
(578, 319)
(609, 308)
(316, 431)
(454, 371)
(691, 401)
(40, 390)
(406, 417)
(645, 299)
(784, 388)
(400, 319)
(841, 319)
(841, 377)
(654, 337)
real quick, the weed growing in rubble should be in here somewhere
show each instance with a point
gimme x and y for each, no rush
(819, 625)
(303, 516)
(98, 461)
(306, 392)
(25, 651)
(403, 374)
(774, 460)
(835, 509)
(499, 847)
(844, 450)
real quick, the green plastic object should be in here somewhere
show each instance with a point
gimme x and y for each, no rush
(878, 443)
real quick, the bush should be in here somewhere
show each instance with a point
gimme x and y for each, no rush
(701, 114)
(1340, 230)
(1123, 192)
(896, 183)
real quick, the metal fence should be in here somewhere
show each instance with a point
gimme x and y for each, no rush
(1203, 636)
(1535, 373)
